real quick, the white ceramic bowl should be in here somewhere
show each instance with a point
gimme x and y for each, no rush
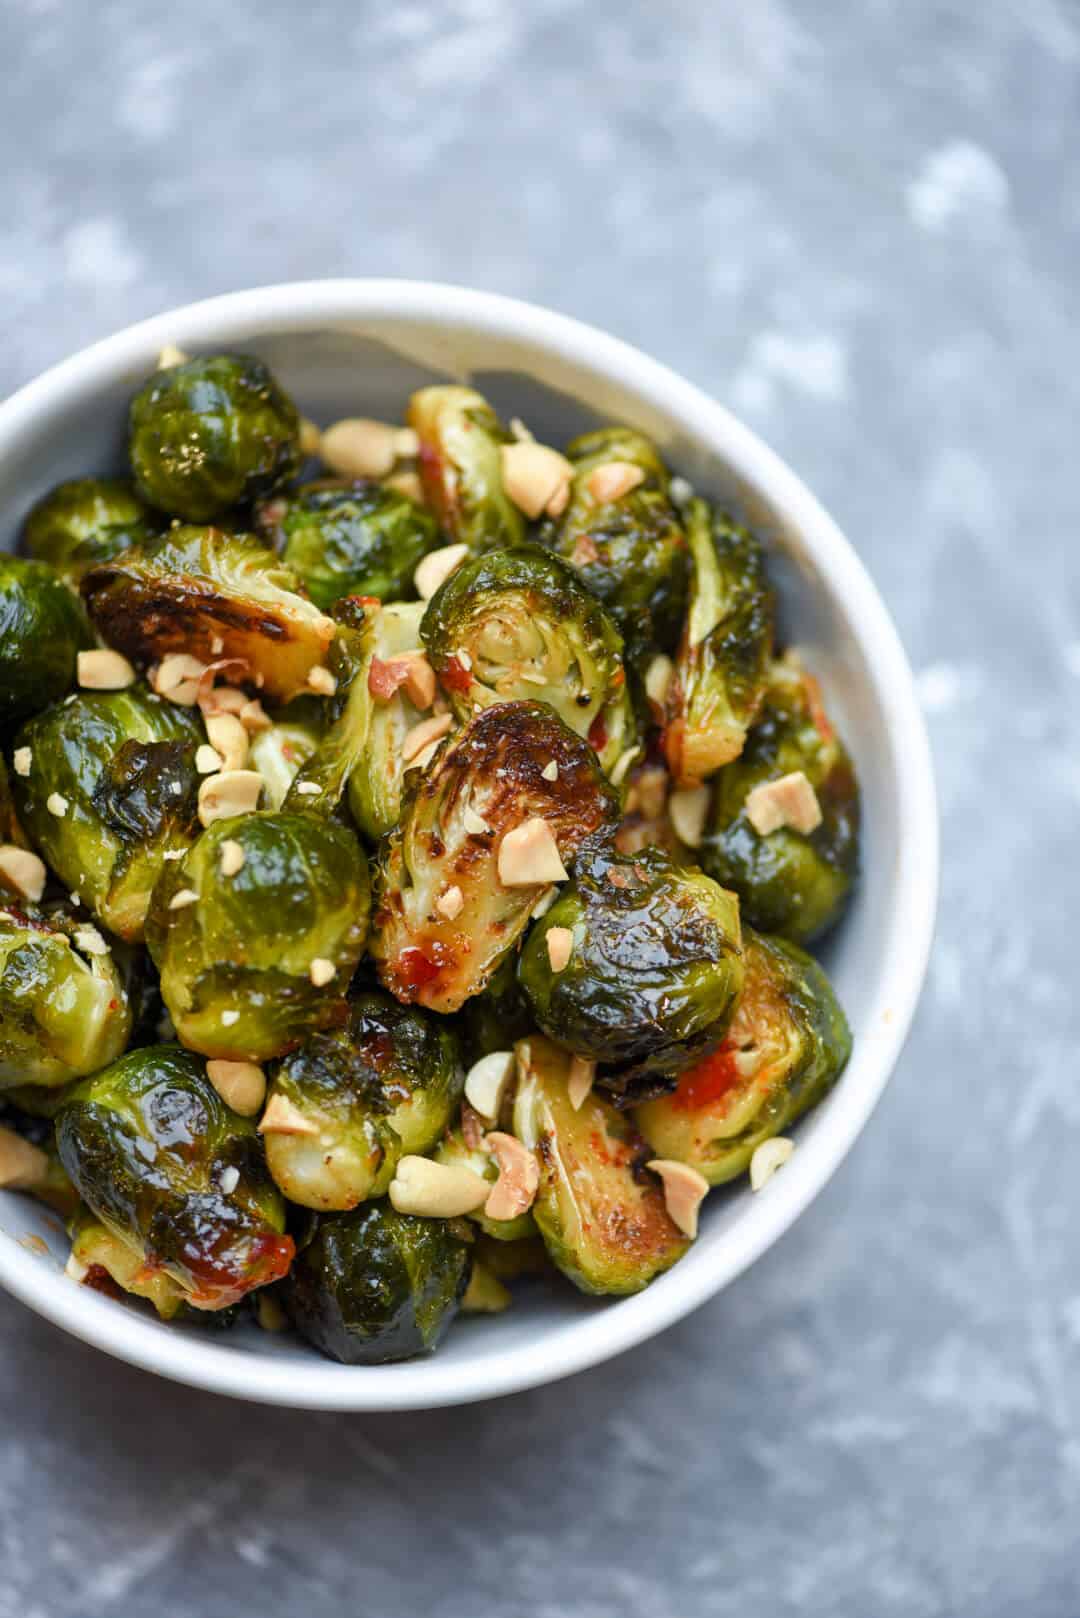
(360, 347)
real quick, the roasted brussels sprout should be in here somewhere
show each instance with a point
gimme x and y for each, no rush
(602, 1216)
(64, 1011)
(787, 881)
(477, 847)
(364, 747)
(787, 1045)
(242, 966)
(723, 664)
(629, 547)
(42, 630)
(108, 1264)
(86, 521)
(374, 1285)
(365, 540)
(384, 1084)
(455, 1152)
(280, 751)
(499, 1016)
(211, 432)
(216, 596)
(654, 970)
(461, 467)
(517, 624)
(112, 788)
(170, 1170)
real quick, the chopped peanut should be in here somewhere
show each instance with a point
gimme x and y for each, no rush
(57, 804)
(612, 481)
(177, 677)
(684, 1191)
(407, 483)
(283, 1118)
(451, 903)
(207, 759)
(658, 679)
(550, 772)
(23, 760)
(310, 437)
(474, 824)
(560, 947)
(254, 717)
(322, 682)
(171, 355)
(529, 856)
(321, 972)
(768, 1157)
(790, 801)
(687, 809)
(514, 1192)
(24, 1166)
(534, 475)
(486, 1082)
(23, 871)
(359, 448)
(232, 857)
(104, 671)
(229, 739)
(420, 736)
(579, 1081)
(409, 669)
(241, 1085)
(436, 567)
(182, 898)
(436, 1190)
(232, 792)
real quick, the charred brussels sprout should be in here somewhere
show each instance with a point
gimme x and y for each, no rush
(629, 548)
(382, 1085)
(787, 1045)
(601, 1214)
(374, 1285)
(152, 1150)
(461, 441)
(654, 971)
(237, 965)
(112, 788)
(215, 596)
(787, 881)
(518, 624)
(453, 896)
(455, 1152)
(87, 521)
(209, 433)
(723, 663)
(42, 629)
(63, 1008)
(362, 540)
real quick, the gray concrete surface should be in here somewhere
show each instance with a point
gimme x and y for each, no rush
(857, 221)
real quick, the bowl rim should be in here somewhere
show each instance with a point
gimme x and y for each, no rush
(431, 1383)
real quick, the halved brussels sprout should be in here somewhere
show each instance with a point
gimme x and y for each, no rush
(112, 788)
(629, 550)
(365, 539)
(238, 964)
(654, 971)
(787, 1045)
(211, 432)
(448, 847)
(384, 1084)
(517, 625)
(722, 667)
(64, 1011)
(42, 629)
(788, 882)
(85, 521)
(363, 748)
(461, 440)
(374, 1285)
(454, 1152)
(155, 1153)
(112, 1265)
(280, 752)
(601, 1214)
(214, 595)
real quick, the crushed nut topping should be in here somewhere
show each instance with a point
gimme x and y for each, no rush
(789, 801)
(514, 1192)
(232, 857)
(613, 480)
(321, 972)
(560, 947)
(436, 567)
(207, 760)
(436, 1190)
(451, 903)
(241, 1085)
(687, 809)
(534, 476)
(360, 448)
(281, 1116)
(23, 760)
(486, 1082)
(103, 670)
(768, 1157)
(684, 1191)
(232, 792)
(423, 734)
(57, 804)
(529, 856)
(579, 1081)
(23, 871)
(182, 898)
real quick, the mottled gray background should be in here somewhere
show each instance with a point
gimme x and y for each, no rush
(858, 222)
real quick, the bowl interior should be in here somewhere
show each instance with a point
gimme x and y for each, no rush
(339, 361)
